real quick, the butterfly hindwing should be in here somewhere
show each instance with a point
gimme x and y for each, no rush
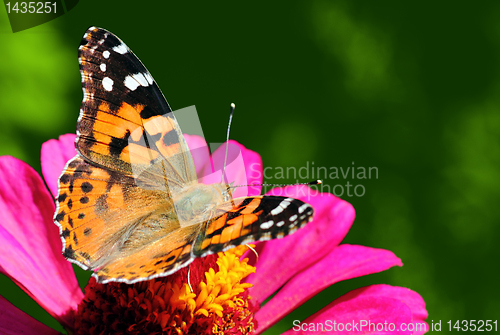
(104, 216)
(158, 258)
(258, 218)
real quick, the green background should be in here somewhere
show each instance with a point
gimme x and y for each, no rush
(409, 87)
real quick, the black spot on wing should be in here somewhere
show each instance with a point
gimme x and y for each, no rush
(65, 233)
(65, 178)
(84, 42)
(247, 201)
(149, 112)
(111, 40)
(69, 252)
(170, 138)
(117, 145)
(60, 216)
(87, 187)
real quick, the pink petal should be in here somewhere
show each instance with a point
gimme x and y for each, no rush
(13, 321)
(31, 246)
(377, 304)
(280, 260)
(243, 167)
(200, 152)
(411, 298)
(54, 156)
(342, 263)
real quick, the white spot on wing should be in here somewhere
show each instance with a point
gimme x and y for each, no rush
(106, 54)
(103, 67)
(121, 49)
(267, 224)
(133, 81)
(279, 224)
(293, 217)
(277, 210)
(282, 206)
(130, 83)
(107, 83)
(141, 79)
(303, 208)
(101, 41)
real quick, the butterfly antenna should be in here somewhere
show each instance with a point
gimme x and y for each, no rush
(189, 275)
(314, 182)
(233, 106)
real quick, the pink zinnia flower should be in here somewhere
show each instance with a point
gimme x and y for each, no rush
(300, 266)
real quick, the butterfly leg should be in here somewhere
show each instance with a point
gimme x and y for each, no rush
(254, 251)
(188, 276)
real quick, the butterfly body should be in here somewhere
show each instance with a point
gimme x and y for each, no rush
(198, 203)
(130, 206)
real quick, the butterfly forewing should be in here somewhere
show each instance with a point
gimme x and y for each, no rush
(125, 122)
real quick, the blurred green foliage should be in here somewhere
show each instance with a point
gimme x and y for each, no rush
(408, 87)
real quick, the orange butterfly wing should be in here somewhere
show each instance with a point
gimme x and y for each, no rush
(114, 207)
(258, 218)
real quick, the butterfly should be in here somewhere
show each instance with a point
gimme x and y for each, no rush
(129, 205)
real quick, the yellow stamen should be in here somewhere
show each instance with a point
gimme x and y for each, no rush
(220, 290)
(218, 304)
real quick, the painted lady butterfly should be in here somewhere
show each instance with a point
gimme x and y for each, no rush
(129, 206)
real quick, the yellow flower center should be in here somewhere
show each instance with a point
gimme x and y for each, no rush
(219, 303)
